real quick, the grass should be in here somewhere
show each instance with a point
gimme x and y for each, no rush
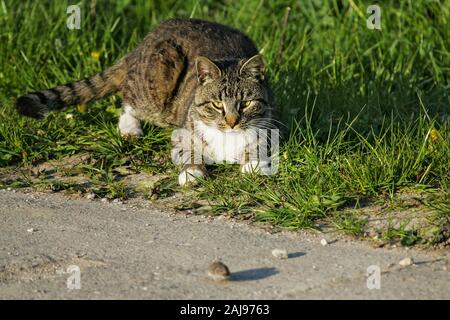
(366, 111)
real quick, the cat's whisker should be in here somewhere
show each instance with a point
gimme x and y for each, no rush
(272, 123)
(264, 122)
(270, 119)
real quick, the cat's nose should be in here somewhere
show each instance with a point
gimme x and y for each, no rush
(231, 119)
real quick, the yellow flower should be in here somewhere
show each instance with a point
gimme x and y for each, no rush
(95, 55)
(434, 135)
(81, 108)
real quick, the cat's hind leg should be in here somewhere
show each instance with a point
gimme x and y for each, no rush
(129, 125)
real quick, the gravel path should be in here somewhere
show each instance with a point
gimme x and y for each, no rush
(135, 250)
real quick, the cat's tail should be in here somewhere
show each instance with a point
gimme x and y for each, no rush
(37, 104)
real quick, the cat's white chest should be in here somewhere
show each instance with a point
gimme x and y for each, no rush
(223, 146)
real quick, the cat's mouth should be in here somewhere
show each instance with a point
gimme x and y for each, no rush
(231, 130)
(228, 129)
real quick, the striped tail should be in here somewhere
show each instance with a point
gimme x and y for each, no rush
(37, 104)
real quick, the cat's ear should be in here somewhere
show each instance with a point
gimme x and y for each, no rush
(253, 68)
(206, 70)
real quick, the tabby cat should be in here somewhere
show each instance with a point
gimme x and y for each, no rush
(201, 76)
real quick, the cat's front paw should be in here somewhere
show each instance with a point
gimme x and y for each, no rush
(260, 167)
(190, 175)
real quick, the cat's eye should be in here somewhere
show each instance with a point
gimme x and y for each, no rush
(246, 104)
(217, 105)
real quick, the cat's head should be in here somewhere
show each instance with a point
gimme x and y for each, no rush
(232, 95)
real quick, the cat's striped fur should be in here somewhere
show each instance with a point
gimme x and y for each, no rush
(37, 104)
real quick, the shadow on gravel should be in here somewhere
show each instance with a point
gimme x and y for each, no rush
(295, 255)
(253, 274)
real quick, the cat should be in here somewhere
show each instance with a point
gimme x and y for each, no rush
(201, 76)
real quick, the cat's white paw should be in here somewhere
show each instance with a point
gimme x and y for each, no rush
(190, 175)
(129, 126)
(260, 167)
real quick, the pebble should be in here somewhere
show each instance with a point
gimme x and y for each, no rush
(323, 242)
(117, 201)
(104, 200)
(90, 196)
(406, 262)
(372, 234)
(280, 253)
(31, 230)
(218, 271)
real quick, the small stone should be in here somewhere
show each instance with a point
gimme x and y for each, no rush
(406, 262)
(218, 271)
(372, 233)
(8, 189)
(154, 197)
(90, 196)
(104, 200)
(31, 230)
(280, 253)
(117, 201)
(80, 254)
(206, 209)
(323, 242)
